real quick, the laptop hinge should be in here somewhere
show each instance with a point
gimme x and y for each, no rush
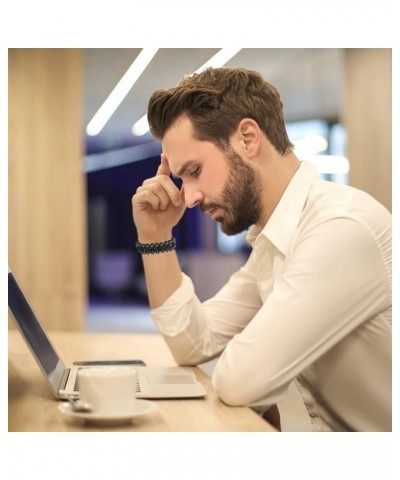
(64, 378)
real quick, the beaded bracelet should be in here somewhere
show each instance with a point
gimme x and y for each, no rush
(149, 248)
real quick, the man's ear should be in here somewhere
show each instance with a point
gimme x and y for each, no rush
(247, 138)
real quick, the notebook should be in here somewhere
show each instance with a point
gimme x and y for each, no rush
(153, 382)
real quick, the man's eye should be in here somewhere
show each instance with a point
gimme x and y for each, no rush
(195, 172)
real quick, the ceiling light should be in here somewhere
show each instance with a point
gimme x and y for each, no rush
(218, 60)
(120, 91)
(141, 127)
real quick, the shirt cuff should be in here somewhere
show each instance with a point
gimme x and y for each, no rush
(173, 316)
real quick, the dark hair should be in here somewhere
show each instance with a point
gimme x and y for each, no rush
(215, 101)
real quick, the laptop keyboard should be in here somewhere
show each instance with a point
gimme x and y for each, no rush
(76, 386)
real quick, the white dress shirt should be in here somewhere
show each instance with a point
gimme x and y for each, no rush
(312, 303)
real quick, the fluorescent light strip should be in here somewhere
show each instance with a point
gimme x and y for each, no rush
(218, 60)
(141, 127)
(120, 91)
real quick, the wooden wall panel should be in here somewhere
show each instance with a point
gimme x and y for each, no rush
(47, 204)
(368, 119)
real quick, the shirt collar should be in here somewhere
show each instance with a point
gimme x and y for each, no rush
(282, 224)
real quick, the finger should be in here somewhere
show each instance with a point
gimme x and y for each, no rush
(182, 195)
(145, 199)
(163, 168)
(168, 185)
(163, 188)
(157, 190)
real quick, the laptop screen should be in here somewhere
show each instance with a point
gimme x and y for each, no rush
(33, 332)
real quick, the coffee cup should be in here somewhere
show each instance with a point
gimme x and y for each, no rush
(108, 390)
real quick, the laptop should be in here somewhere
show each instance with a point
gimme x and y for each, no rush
(153, 382)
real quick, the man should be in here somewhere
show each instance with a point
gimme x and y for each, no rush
(313, 301)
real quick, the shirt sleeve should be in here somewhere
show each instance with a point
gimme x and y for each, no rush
(196, 332)
(334, 280)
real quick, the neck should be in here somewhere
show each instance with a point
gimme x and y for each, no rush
(276, 173)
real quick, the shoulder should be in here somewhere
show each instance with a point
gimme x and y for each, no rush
(329, 201)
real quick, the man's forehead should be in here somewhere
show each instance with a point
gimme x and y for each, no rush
(176, 136)
(181, 125)
(178, 144)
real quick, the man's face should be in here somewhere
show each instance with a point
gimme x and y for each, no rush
(221, 183)
(240, 200)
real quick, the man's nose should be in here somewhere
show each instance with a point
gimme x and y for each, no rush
(192, 197)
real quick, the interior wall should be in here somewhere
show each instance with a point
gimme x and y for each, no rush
(368, 120)
(46, 187)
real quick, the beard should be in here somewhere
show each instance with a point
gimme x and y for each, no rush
(240, 198)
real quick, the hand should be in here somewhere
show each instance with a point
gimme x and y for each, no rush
(157, 206)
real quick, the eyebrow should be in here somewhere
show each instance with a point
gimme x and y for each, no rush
(182, 169)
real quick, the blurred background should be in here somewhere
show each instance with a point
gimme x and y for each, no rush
(79, 148)
(72, 174)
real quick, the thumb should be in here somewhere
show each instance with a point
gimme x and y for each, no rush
(163, 168)
(182, 195)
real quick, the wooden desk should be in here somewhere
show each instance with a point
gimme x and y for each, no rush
(32, 406)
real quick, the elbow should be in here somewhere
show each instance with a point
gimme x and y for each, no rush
(238, 388)
(229, 397)
(231, 389)
(185, 360)
(233, 384)
(185, 357)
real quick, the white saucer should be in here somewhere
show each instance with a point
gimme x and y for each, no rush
(139, 408)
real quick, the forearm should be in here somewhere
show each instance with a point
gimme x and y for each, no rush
(195, 331)
(163, 276)
(158, 205)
